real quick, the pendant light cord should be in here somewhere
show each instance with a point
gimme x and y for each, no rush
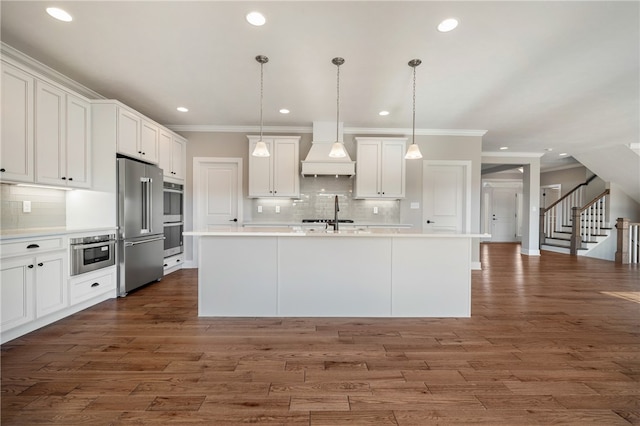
(413, 140)
(338, 104)
(261, 96)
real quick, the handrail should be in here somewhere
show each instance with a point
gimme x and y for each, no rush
(585, 183)
(595, 200)
(628, 242)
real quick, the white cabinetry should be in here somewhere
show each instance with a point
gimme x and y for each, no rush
(16, 120)
(277, 175)
(34, 281)
(137, 137)
(62, 137)
(172, 155)
(380, 168)
(45, 132)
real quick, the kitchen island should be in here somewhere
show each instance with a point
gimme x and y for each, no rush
(287, 272)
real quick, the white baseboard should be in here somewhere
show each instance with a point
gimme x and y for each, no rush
(532, 252)
(189, 264)
(476, 266)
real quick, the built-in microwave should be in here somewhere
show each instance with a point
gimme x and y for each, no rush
(92, 253)
(173, 194)
(173, 238)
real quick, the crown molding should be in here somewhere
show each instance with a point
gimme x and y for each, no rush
(309, 129)
(512, 154)
(18, 58)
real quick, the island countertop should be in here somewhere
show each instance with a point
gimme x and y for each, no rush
(302, 231)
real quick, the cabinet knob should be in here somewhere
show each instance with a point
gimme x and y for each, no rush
(233, 220)
(63, 178)
(40, 264)
(30, 266)
(70, 178)
(95, 284)
(139, 152)
(165, 265)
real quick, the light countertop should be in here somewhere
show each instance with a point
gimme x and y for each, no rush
(296, 231)
(12, 234)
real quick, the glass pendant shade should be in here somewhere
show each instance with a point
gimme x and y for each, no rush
(337, 150)
(261, 150)
(413, 153)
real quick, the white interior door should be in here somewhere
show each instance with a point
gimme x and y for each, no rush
(504, 220)
(445, 197)
(218, 195)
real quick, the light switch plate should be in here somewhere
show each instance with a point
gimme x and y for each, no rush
(375, 210)
(259, 209)
(26, 206)
(277, 209)
(415, 205)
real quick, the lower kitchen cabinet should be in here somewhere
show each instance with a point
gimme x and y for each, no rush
(92, 284)
(51, 283)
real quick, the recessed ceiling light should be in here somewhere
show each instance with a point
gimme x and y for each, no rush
(447, 25)
(563, 154)
(502, 148)
(256, 18)
(383, 113)
(284, 111)
(59, 14)
(182, 109)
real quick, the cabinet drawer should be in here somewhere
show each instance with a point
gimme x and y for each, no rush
(30, 246)
(93, 285)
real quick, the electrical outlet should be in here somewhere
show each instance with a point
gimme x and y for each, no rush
(415, 205)
(259, 209)
(26, 206)
(277, 209)
(375, 210)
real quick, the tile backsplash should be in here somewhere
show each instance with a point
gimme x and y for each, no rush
(317, 195)
(48, 207)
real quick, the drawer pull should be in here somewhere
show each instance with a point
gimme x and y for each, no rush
(30, 246)
(165, 265)
(40, 264)
(3, 170)
(95, 284)
(30, 266)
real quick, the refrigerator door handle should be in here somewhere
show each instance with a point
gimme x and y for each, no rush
(150, 240)
(146, 207)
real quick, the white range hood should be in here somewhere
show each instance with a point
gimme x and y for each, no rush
(318, 161)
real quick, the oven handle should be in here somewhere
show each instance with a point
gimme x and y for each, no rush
(92, 245)
(174, 191)
(166, 224)
(150, 240)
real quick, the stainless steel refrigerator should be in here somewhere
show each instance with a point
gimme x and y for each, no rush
(140, 228)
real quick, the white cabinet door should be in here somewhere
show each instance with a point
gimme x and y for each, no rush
(16, 292)
(51, 283)
(128, 133)
(380, 168)
(16, 120)
(149, 142)
(165, 145)
(286, 166)
(392, 180)
(50, 134)
(178, 156)
(260, 171)
(78, 147)
(367, 169)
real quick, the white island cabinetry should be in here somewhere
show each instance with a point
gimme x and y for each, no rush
(279, 174)
(349, 274)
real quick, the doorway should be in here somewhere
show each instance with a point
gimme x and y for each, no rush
(502, 210)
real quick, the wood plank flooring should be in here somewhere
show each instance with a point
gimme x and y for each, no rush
(545, 345)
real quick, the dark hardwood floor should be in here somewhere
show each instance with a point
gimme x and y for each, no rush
(545, 345)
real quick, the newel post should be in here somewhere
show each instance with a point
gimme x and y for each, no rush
(576, 238)
(622, 252)
(541, 234)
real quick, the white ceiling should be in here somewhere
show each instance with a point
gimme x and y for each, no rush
(535, 75)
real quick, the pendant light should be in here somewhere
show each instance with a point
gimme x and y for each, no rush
(337, 149)
(261, 149)
(413, 153)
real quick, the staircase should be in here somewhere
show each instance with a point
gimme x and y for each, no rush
(572, 226)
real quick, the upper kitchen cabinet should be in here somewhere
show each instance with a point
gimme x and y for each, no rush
(137, 137)
(46, 134)
(380, 169)
(62, 137)
(172, 156)
(16, 120)
(279, 174)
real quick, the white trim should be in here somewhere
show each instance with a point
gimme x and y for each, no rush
(563, 167)
(532, 252)
(15, 57)
(308, 129)
(476, 266)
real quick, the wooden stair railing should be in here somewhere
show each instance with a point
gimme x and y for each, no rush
(588, 221)
(558, 214)
(628, 244)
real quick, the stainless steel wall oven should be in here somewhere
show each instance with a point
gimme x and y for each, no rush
(173, 218)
